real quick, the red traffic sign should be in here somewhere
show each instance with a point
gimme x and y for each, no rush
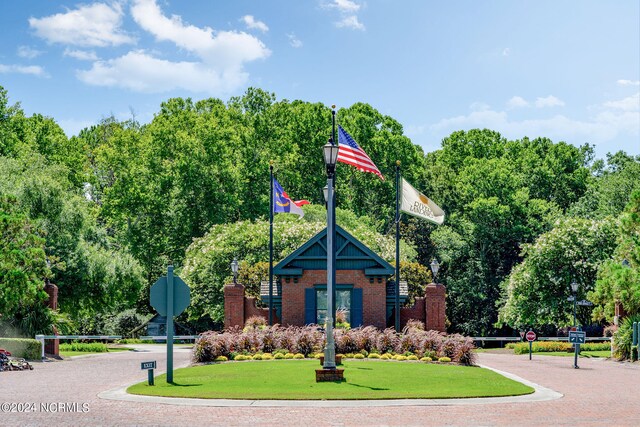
(531, 336)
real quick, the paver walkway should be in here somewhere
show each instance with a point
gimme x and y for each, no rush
(601, 393)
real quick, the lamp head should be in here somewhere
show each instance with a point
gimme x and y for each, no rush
(234, 269)
(435, 266)
(330, 151)
(325, 192)
(574, 286)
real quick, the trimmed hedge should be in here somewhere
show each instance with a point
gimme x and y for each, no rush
(22, 347)
(552, 346)
(94, 347)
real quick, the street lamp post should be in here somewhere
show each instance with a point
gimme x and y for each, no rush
(574, 291)
(330, 151)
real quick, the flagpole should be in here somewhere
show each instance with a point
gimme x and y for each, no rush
(271, 244)
(397, 287)
(334, 141)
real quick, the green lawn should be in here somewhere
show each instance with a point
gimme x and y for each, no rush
(295, 380)
(83, 353)
(596, 353)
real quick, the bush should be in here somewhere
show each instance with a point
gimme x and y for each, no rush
(95, 347)
(278, 356)
(255, 322)
(444, 360)
(267, 356)
(289, 356)
(412, 357)
(623, 338)
(257, 357)
(309, 340)
(374, 356)
(220, 359)
(124, 323)
(426, 359)
(358, 356)
(464, 353)
(385, 356)
(239, 357)
(22, 347)
(298, 356)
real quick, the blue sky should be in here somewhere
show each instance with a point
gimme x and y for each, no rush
(567, 70)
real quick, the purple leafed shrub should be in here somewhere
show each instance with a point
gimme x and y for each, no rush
(309, 339)
(345, 341)
(464, 352)
(387, 341)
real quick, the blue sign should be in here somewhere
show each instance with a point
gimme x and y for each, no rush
(577, 337)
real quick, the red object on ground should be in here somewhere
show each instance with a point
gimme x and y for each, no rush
(7, 353)
(531, 336)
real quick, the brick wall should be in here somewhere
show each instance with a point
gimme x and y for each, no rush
(251, 309)
(415, 312)
(430, 310)
(435, 306)
(233, 305)
(373, 295)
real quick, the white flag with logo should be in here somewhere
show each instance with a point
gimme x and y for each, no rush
(417, 204)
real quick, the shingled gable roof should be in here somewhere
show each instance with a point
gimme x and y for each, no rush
(351, 254)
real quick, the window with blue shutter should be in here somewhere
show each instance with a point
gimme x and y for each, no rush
(356, 307)
(309, 306)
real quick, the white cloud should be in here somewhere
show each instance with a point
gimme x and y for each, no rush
(224, 49)
(346, 6)
(141, 72)
(294, 41)
(350, 22)
(28, 52)
(610, 120)
(217, 68)
(506, 51)
(251, 23)
(34, 70)
(82, 55)
(623, 82)
(549, 101)
(97, 24)
(630, 103)
(517, 102)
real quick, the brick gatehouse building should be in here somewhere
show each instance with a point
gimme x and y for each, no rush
(364, 292)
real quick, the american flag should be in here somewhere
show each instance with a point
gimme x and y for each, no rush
(349, 152)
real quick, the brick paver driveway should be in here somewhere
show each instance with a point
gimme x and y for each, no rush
(601, 393)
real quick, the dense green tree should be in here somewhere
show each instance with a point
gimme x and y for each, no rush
(22, 260)
(619, 280)
(536, 291)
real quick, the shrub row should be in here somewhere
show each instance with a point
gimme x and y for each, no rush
(22, 347)
(95, 347)
(551, 346)
(310, 339)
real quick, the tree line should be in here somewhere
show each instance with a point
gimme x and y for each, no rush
(102, 213)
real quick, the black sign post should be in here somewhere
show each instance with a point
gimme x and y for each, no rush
(149, 366)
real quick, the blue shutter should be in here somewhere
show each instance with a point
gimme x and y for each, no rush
(356, 307)
(309, 306)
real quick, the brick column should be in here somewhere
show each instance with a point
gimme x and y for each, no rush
(52, 346)
(435, 304)
(233, 305)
